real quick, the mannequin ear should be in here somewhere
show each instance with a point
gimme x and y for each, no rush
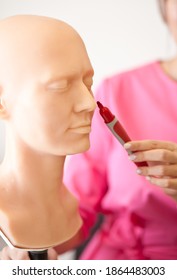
(3, 111)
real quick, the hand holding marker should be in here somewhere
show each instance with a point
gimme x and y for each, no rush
(115, 127)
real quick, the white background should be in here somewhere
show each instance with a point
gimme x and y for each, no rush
(119, 34)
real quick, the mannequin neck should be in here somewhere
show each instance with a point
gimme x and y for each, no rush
(27, 168)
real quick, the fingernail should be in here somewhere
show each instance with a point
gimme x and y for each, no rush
(127, 146)
(132, 157)
(138, 171)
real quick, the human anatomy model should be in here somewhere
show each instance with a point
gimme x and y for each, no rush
(47, 106)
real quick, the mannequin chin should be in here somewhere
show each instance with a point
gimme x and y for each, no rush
(47, 106)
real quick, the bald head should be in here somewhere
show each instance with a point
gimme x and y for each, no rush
(27, 41)
(23, 30)
(37, 48)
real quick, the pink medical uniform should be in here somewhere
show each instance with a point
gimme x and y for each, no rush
(140, 220)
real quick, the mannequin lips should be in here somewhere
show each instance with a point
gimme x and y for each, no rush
(81, 129)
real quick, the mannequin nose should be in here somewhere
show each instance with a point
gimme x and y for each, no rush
(85, 101)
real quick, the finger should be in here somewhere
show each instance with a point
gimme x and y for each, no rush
(158, 170)
(20, 255)
(171, 192)
(155, 155)
(52, 254)
(17, 254)
(167, 183)
(4, 254)
(150, 145)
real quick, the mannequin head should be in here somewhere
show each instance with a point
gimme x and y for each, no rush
(168, 10)
(45, 85)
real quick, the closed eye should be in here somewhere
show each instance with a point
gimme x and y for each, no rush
(58, 86)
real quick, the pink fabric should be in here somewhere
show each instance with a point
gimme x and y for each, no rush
(140, 220)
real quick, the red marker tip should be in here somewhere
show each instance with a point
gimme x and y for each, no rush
(99, 105)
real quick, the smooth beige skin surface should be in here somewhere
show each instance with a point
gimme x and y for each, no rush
(47, 105)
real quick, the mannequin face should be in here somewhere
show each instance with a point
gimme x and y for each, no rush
(49, 101)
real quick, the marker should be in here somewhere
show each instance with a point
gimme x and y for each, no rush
(116, 128)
